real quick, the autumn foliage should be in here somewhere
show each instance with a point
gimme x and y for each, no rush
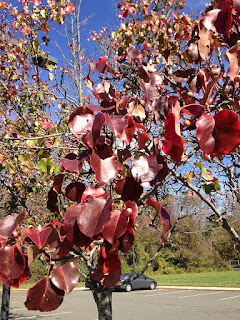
(157, 97)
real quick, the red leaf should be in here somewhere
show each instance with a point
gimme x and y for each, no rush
(125, 242)
(117, 124)
(134, 55)
(221, 139)
(12, 262)
(205, 126)
(72, 162)
(108, 271)
(81, 121)
(44, 296)
(116, 226)
(57, 183)
(128, 132)
(193, 109)
(69, 8)
(219, 20)
(36, 2)
(164, 215)
(8, 225)
(101, 64)
(106, 169)
(92, 137)
(65, 277)
(91, 192)
(94, 215)
(173, 143)
(233, 55)
(227, 132)
(74, 191)
(74, 235)
(143, 138)
(39, 237)
(15, 282)
(149, 171)
(52, 202)
(129, 189)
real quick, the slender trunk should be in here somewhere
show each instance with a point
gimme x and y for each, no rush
(5, 302)
(103, 299)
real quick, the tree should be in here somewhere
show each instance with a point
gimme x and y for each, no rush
(165, 118)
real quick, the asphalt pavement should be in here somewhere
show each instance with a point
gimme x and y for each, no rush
(178, 303)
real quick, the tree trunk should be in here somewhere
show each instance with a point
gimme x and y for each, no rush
(103, 299)
(5, 302)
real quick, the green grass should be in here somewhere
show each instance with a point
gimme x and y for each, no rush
(204, 279)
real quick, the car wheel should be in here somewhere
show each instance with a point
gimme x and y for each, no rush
(152, 286)
(128, 287)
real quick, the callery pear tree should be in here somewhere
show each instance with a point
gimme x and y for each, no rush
(164, 114)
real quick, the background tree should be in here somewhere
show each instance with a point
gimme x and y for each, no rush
(165, 114)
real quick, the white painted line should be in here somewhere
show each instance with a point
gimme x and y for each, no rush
(228, 298)
(18, 309)
(41, 316)
(200, 294)
(163, 294)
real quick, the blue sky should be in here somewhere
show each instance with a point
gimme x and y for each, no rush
(105, 14)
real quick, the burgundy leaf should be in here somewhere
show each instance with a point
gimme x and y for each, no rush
(132, 209)
(44, 296)
(92, 137)
(143, 138)
(221, 139)
(15, 282)
(8, 225)
(128, 132)
(164, 215)
(227, 132)
(91, 192)
(81, 121)
(173, 143)
(149, 171)
(129, 189)
(108, 271)
(65, 277)
(116, 226)
(205, 126)
(219, 20)
(57, 183)
(74, 235)
(52, 202)
(72, 162)
(101, 64)
(193, 109)
(94, 215)
(125, 242)
(12, 262)
(74, 191)
(39, 237)
(106, 169)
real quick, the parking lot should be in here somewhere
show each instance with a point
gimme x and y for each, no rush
(140, 305)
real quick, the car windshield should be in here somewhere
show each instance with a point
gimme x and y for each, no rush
(126, 276)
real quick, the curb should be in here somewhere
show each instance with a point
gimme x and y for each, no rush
(160, 287)
(199, 288)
